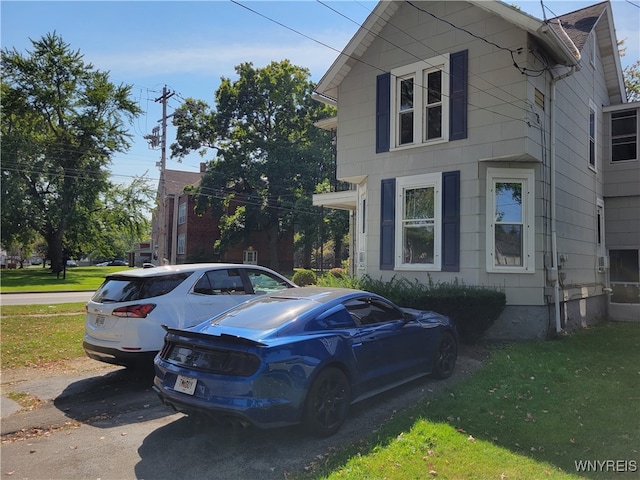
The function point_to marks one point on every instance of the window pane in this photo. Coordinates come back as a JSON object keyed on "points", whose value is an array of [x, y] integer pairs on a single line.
{"points": [[624, 148], [508, 244], [418, 203], [406, 128], [624, 123], [508, 202], [434, 86], [417, 242], [624, 136], [624, 266], [406, 94], [418, 225], [434, 122]]}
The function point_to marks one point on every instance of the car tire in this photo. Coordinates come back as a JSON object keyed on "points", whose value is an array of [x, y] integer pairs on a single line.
{"points": [[446, 354], [327, 403]]}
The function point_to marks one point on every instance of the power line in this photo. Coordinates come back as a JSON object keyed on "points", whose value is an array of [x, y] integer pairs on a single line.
{"points": [[375, 67]]}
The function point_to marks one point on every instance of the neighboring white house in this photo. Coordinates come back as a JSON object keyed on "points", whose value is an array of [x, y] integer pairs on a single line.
{"points": [[488, 146]]}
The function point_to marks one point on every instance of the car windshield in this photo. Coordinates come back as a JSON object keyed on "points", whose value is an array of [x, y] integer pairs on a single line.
{"points": [[126, 289], [264, 313]]}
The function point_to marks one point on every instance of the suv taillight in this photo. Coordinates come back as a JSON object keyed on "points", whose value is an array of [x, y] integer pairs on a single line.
{"points": [[134, 311]]}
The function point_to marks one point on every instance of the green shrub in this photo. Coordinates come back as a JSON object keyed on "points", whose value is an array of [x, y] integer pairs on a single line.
{"points": [[334, 278], [304, 277], [473, 309]]}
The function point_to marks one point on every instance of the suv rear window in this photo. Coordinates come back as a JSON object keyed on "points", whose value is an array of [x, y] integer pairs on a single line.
{"points": [[126, 289]]}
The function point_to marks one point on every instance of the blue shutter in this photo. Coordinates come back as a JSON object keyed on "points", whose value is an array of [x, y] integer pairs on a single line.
{"points": [[451, 221], [383, 112], [387, 223], [458, 95]]}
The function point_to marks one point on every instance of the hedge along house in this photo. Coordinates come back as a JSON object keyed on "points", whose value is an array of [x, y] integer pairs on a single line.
{"points": [[488, 146]]}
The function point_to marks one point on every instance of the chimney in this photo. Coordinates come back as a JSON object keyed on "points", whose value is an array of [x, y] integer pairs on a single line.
{"points": [[203, 167]]}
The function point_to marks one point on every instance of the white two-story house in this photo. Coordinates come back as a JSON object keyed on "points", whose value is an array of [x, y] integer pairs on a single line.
{"points": [[493, 148]]}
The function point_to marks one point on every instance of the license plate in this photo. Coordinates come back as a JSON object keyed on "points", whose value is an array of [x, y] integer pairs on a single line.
{"points": [[100, 320], [185, 385]]}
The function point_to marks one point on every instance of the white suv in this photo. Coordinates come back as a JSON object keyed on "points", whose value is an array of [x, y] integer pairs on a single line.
{"points": [[126, 314]]}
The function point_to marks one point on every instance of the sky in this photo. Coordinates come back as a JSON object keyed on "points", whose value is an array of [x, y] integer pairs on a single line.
{"points": [[189, 46]]}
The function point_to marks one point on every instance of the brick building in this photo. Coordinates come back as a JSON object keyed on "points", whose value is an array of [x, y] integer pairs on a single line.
{"points": [[189, 238]]}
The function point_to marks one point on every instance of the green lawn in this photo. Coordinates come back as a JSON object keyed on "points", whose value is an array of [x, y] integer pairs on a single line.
{"points": [[533, 411], [538, 409], [38, 279], [39, 335]]}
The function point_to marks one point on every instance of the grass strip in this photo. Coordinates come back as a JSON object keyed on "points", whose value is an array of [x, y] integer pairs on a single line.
{"points": [[39, 335], [38, 279], [568, 408]]}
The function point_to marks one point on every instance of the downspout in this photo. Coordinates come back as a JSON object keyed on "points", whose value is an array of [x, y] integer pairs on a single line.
{"points": [[552, 186], [575, 65]]}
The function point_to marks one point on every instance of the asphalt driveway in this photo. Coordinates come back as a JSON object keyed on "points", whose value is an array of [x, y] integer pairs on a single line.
{"points": [[110, 425]]}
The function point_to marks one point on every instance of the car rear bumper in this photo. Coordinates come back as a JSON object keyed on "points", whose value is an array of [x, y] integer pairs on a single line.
{"points": [[118, 357], [244, 409]]}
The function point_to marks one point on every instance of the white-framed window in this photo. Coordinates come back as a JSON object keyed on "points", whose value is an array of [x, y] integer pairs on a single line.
{"points": [[250, 257], [182, 213], [419, 102], [624, 135], [510, 220], [418, 224], [593, 135], [361, 221], [600, 244], [182, 244]]}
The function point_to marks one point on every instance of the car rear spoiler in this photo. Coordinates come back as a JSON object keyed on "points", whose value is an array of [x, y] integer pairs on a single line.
{"points": [[224, 336]]}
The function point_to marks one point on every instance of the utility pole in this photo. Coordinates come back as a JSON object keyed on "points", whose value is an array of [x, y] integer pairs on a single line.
{"points": [[161, 246]]}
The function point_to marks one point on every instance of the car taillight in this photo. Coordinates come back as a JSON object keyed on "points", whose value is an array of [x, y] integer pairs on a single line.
{"points": [[134, 311]]}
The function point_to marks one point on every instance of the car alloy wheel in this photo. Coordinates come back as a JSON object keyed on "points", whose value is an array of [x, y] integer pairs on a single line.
{"points": [[327, 403]]}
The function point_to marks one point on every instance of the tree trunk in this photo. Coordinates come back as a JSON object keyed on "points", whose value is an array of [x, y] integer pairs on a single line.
{"points": [[54, 241], [271, 232]]}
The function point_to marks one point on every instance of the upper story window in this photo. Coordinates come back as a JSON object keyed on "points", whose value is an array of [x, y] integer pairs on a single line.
{"points": [[624, 135], [420, 102], [592, 135], [510, 218], [182, 213]]}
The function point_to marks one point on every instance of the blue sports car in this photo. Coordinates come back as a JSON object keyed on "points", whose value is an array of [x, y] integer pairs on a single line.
{"points": [[300, 356]]}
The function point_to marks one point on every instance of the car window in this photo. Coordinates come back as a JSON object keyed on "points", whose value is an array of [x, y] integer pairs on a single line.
{"points": [[340, 318], [220, 282], [264, 282], [368, 311], [126, 289]]}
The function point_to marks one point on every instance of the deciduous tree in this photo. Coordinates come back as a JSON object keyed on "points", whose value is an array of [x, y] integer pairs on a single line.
{"points": [[62, 120], [268, 152]]}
